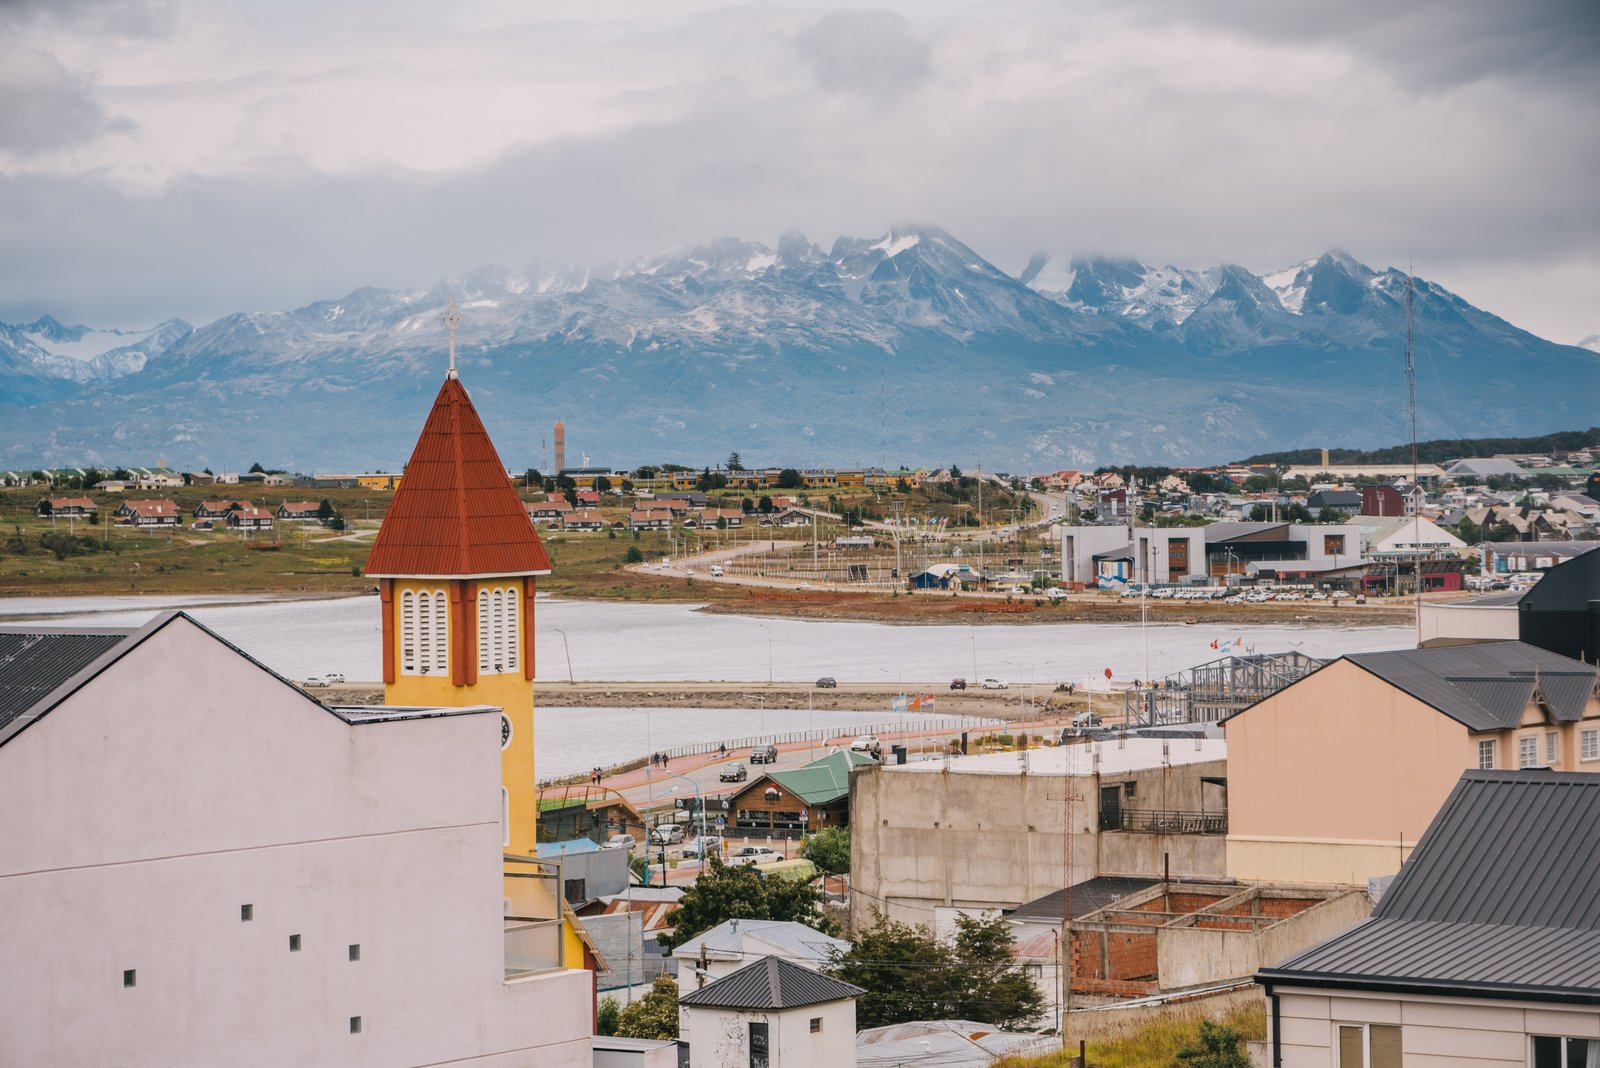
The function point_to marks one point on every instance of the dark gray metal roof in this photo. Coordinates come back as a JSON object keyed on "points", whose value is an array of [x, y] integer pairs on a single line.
{"points": [[33, 663], [1091, 895], [1227, 531], [1500, 899], [771, 983], [1477, 685]]}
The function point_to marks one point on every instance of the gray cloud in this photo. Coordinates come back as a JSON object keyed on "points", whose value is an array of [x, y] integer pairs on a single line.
{"points": [[118, 18], [873, 53], [44, 106]]}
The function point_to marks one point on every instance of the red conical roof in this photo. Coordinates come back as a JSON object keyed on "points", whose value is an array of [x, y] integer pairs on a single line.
{"points": [[456, 514]]}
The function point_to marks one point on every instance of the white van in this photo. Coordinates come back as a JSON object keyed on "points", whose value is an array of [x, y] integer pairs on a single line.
{"points": [[716, 570]]}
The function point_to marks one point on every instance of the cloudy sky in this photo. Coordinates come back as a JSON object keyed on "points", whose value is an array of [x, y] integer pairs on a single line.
{"points": [[169, 157]]}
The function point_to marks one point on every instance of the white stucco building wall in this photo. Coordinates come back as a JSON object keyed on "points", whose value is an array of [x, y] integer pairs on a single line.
{"points": [[719, 1038], [185, 783]]}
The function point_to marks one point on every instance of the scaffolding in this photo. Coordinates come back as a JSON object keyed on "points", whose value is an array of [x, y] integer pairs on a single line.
{"points": [[1216, 689]]}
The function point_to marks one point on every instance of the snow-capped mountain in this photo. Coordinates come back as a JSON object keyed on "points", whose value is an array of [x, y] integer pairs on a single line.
{"points": [[908, 346], [1592, 343]]}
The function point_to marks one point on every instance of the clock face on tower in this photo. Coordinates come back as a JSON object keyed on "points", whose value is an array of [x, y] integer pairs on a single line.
{"points": [[505, 730]]}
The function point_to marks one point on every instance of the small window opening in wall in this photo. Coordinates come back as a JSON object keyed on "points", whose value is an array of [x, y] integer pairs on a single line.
{"points": [[130, 977], [355, 1025], [816, 1024], [247, 913], [294, 943], [355, 951]]}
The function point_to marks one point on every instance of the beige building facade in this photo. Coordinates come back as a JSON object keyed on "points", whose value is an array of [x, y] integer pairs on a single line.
{"points": [[1333, 779]]}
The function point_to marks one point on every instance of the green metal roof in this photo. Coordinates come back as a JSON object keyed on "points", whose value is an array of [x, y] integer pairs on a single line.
{"points": [[823, 780]]}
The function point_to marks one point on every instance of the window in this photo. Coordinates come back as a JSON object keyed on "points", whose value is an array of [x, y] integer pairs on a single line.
{"points": [[498, 646], [355, 952], [247, 913], [1552, 748], [816, 1025], [1550, 1051], [1486, 749], [1368, 1046], [424, 632], [1528, 751], [355, 1025], [130, 977], [1333, 545], [1589, 744], [759, 1056], [294, 943]]}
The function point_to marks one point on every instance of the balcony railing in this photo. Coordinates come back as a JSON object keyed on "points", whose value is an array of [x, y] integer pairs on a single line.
{"points": [[532, 946], [1163, 821]]}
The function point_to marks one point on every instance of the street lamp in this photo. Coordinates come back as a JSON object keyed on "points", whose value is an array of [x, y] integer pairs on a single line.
{"points": [[568, 650], [700, 851], [768, 629]]}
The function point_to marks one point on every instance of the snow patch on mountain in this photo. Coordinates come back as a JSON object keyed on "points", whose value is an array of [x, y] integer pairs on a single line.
{"points": [[1592, 343]]}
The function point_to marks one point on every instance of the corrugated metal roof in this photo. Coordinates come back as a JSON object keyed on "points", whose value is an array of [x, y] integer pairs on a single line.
{"points": [[1499, 898], [1091, 895], [770, 983], [1478, 685], [33, 664], [455, 511], [796, 939], [823, 780]]}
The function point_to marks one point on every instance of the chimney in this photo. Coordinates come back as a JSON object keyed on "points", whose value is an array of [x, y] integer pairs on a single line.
{"points": [[1324, 457], [561, 446]]}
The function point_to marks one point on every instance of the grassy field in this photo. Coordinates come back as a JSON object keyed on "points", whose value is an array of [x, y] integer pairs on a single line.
{"points": [[1152, 1045]]}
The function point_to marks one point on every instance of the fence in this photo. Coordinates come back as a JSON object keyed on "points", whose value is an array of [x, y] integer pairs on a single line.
{"points": [[1163, 821]]}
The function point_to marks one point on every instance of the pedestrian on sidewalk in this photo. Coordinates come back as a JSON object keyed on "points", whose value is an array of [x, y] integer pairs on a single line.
{"points": [[722, 750]]}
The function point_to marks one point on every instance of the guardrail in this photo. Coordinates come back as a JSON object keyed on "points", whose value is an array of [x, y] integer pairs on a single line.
{"points": [[899, 726], [1163, 821]]}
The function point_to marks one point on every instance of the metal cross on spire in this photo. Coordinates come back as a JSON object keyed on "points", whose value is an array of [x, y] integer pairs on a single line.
{"points": [[451, 318]]}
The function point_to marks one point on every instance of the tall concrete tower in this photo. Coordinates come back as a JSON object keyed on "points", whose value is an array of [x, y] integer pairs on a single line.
{"points": [[561, 446]]}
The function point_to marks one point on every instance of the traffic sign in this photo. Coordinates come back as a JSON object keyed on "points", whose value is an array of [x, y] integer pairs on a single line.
{"points": [[721, 823], [805, 813]]}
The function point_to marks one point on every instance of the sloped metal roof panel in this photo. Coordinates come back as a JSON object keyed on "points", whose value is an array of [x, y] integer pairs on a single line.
{"points": [[771, 983]]}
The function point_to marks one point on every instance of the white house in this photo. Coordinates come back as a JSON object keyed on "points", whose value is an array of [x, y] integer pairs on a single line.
{"points": [[732, 944], [770, 1013], [1397, 537], [203, 865]]}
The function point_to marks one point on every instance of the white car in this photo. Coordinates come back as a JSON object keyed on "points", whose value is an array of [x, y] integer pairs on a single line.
{"points": [[864, 744], [707, 845], [620, 841], [753, 855], [995, 684]]}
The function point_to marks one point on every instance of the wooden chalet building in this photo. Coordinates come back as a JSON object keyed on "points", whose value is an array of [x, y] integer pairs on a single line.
{"points": [[217, 509], [585, 520], [299, 511], [650, 519], [250, 517], [153, 513], [553, 510], [788, 804], [79, 507]]}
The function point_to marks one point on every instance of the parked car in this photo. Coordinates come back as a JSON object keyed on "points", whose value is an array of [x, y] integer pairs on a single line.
{"points": [[736, 772], [667, 834], [317, 680], [764, 754], [716, 570], [753, 855], [707, 845], [865, 743], [994, 684], [1056, 593], [1086, 719], [827, 682], [620, 841], [958, 684]]}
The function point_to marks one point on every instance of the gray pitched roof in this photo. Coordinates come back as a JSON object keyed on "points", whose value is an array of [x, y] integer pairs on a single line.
{"points": [[1497, 901], [1478, 685], [34, 663], [795, 939], [770, 983]]}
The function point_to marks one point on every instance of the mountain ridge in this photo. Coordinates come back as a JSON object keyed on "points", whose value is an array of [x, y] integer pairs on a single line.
{"points": [[796, 351]]}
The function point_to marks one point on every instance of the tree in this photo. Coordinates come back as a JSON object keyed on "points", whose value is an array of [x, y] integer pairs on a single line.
{"points": [[571, 495], [1332, 515], [910, 975], [45, 507], [607, 1016], [257, 469], [746, 505], [602, 484], [789, 478], [633, 556], [955, 472], [1468, 531], [653, 1016], [534, 477], [1218, 1047], [734, 463], [738, 891], [901, 485], [325, 510], [829, 849]]}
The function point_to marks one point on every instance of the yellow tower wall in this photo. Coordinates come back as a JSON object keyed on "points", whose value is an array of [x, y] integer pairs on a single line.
{"points": [[511, 692]]}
